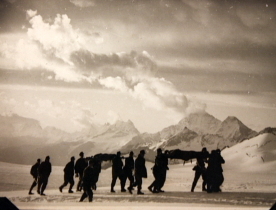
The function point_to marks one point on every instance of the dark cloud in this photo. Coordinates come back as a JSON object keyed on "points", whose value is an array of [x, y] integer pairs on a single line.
{"points": [[91, 61], [218, 81], [39, 77], [11, 17]]}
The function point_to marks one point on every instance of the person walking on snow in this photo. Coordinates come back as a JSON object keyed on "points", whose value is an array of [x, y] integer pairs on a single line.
{"points": [[69, 175], [34, 173], [128, 172], [80, 165], [117, 172], [140, 171], [44, 171], [200, 170], [88, 181]]}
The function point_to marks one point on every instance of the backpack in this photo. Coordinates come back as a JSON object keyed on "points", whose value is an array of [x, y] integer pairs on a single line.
{"points": [[33, 171]]}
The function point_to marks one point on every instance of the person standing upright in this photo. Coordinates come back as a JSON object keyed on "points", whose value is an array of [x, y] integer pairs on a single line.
{"points": [[80, 165], [34, 173], [164, 168], [69, 175], [97, 170], [128, 171], [200, 170], [215, 172], [44, 171], [140, 171], [156, 171], [159, 172], [88, 181], [117, 172]]}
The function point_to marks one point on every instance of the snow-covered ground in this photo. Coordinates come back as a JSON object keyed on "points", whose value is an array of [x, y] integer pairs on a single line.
{"points": [[250, 183]]}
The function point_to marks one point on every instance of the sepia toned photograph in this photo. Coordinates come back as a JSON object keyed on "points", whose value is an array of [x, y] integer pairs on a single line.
{"points": [[138, 104]]}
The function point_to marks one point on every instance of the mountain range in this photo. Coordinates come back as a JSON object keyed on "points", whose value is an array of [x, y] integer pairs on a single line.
{"points": [[23, 140]]}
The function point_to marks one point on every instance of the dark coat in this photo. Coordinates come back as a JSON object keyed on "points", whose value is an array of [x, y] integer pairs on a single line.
{"points": [[80, 165], [89, 176], [129, 164], [140, 167], [69, 169], [34, 170], [117, 166], [45, 169], [161, 163]]}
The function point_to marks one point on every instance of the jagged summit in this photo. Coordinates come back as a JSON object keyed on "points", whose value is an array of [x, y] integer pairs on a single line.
{"points": [[234, 130], [123, 126], [201, 122], [185, 136]]}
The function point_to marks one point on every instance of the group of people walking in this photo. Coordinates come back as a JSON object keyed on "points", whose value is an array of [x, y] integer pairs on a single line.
{"points": [[89, 169], [212, 175]]}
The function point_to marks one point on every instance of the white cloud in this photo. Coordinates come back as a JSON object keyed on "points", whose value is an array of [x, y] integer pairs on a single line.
{"points": [[58, 39], [27, 55], [31, 13], [83, 3], [116, 83], [160, 94], [60, 48]]}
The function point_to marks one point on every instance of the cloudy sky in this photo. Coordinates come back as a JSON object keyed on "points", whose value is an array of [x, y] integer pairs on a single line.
{"points": [[70, 63]]}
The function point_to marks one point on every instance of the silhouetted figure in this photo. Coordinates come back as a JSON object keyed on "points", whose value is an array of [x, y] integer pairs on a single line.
{"points": [[44, 171], [97, 170], [156, 170], [88, 181], [34, 173], [140, 171], [164, 168], [215, 172], [69, 175], [117, 172], [80, 165], [200, 170], [128, 172]]}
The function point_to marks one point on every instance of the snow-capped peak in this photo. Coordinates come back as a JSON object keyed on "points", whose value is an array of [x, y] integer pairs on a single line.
{"points": [[124, 126], [232, 128], [201, 122]]}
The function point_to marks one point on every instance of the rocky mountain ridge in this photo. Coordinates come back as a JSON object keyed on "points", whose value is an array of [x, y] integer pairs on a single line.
{"points": [[196, 131], [191, 133]]}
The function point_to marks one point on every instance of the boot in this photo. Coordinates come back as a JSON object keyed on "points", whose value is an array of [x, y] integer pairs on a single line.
{"points": [[83, 197], [70, 189], [140, 193], [33, 185], [129, 190]]}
